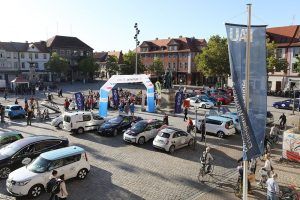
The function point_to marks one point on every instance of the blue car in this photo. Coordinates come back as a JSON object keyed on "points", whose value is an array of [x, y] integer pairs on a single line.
{"points": [[287, 104], [13, 111]]}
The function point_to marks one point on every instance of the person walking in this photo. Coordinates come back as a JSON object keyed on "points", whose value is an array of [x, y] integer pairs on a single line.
{"points": [[166, 119], [202, 129], [132, 108], [5, 95], [268, 164], [185, 113], [282, 119], [126, 108], [29, 117], [63, 193], [52, 181], [253, 165], [2, 114], [16, 102], [189, 125], [272, 188]]}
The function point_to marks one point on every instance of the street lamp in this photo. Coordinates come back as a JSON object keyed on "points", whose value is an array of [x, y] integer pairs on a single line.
{"points": [[137, 42]]}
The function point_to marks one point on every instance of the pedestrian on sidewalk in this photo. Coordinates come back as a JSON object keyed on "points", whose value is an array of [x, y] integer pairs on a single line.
{"points": [[253, 165], [126, 108], [5, 95], [202, 129], [166, 119], [282, 119], [272, 188], [268, 164], [66, 104], [185, 113], [52, 181], [63, 193], [2, 114], [132, 108], [29, 117], [16, 101], [189, 125]]}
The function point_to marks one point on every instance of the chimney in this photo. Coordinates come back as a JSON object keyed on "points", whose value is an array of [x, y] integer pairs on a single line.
{"points": [[156, 38], [180, 36], [169, 38]]}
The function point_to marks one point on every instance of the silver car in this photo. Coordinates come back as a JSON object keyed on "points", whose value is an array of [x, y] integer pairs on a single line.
{"points": [[58, 122], [170, 138]]}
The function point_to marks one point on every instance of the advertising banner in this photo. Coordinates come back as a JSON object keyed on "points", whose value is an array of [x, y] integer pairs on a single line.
{"points": [[79, 98], [115, 96], [178, 102], [253, 121]]}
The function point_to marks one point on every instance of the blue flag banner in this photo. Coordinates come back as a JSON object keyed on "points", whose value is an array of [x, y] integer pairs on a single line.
{"points": [[253, 121], [79, 98], [178, 102], [115, 96]]}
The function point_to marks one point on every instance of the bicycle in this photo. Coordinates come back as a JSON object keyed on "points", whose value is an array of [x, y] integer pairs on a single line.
{"points": [[203, 171]]}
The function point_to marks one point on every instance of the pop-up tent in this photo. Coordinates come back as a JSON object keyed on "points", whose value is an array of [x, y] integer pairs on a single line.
{"points": [[19, 81]]}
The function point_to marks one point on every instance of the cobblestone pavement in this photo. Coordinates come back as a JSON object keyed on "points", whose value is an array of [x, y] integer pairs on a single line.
{"points": [[125, 171]]}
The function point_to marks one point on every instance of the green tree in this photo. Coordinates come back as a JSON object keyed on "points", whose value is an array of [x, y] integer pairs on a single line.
{"points": [[112, 66], [129, 64], [213, 60], [87, 66], [57, 64], [272, 61], [297, 64], [157, 67]]}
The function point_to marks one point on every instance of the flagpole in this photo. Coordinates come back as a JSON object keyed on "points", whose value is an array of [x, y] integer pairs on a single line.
{"points": [[245, 162]]}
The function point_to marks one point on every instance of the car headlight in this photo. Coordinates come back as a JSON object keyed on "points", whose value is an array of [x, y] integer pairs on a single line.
{"points": [[22, 183]]}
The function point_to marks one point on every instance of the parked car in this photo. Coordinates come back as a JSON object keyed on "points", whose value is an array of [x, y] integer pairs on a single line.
{"points": [[82, 121], [198, 103], [58, 122], [223, 99], [32, 179], [117, 124], [217, 125], [207, 98], [287, 104], [235, 120], [12, 155], [169, 139], [13, 111], [143, 131], [9, 137]]}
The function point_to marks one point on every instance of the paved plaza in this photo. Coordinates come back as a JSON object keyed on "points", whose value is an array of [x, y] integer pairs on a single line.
{"points": [[125, 171]]}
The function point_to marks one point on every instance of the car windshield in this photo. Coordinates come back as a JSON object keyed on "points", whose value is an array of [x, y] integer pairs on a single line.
{"points": [[139, 126], [116, 120], [16, 108], [163, 134], [39, 165], [11, 149]]}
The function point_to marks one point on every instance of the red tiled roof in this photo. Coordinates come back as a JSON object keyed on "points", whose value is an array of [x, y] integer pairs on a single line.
{"points": [[285, 35]]}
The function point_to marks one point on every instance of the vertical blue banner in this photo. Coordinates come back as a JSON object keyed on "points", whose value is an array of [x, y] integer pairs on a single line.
{"points": [[253, 121], [103, 103], [178, 102], [79, 98], [150, 100], [115, 96]]}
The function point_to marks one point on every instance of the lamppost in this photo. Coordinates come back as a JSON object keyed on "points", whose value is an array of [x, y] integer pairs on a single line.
{"points": [[137, 42]]}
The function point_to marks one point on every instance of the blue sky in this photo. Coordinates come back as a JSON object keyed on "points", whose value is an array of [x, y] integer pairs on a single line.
{"points": [[108, 24]]}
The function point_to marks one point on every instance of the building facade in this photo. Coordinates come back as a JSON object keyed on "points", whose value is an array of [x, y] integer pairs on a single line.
{"points": [[177, 55], [287, 39], [101, 60], [72, 49], [26, 59]]}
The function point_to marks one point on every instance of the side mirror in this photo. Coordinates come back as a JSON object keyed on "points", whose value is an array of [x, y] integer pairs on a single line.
{"points": [[26, 161]]}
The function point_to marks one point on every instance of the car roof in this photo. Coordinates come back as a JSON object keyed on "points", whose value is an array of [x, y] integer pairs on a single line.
{"points": [[14, 105], [28, 140], [9, 133], [78, 113], [170, 129], [62, 153], [219, 118], [148, 121]]}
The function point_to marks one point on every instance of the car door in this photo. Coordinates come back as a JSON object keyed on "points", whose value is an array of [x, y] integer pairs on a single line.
{"points": [[97, 121], [71, 166], [88, 122], [57, 165], [183, 139], [26, 152], [175, 140], [209, 125]]}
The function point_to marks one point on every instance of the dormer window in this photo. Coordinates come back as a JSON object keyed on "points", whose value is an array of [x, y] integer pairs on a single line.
{"points": [[144, 49]]}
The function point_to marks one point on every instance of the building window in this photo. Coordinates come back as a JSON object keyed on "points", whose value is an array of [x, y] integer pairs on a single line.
{"points": [[68, 52], [45, 56], [30, 55], [180, 65], [174, 65], [16, 65], [185, 65], [1, 55], [22, 55], [81, 53], [8, 54], [36, 65], [23, 65], [169, 65], [174, 55], [36, 55], [169, 55], [296, 51], [162, 55], [62, 52], [279, 53], [294, 69], [15, 55], [54, 51]]}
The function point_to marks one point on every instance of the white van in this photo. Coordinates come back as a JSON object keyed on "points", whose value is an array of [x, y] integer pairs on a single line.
{"points": [[220, 126], [82, 121], [32, 179]]}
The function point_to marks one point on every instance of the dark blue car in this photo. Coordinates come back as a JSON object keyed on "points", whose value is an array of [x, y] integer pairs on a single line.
{"points": [[287, 104]]}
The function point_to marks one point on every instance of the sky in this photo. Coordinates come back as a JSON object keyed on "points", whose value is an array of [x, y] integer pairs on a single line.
{"points": [[108, 25]]}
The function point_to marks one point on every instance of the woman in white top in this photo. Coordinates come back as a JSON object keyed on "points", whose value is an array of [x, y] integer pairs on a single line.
{"points": [[62, 195], [268, 165]]}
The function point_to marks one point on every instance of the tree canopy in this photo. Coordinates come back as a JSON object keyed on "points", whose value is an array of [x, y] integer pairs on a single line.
{"points": [[157, 67], [87, 65], [129, 64], [272, 61], [213, 60], [112, 66], [57, 64], [297, 64]]}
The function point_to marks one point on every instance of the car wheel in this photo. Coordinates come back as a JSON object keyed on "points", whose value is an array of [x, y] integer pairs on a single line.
{"points": [[203, 106], [35, 191], [4, 172], [60, 125], [172, 149], [115, 133], [10, 116], [220, 134], [276, 106], [82, 174], [80, 130], [141, 140], [191, 142]]}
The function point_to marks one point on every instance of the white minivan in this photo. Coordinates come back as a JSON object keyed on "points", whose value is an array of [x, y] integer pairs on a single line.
{"points": [[32, 179], [82, 121], [220, 126]]}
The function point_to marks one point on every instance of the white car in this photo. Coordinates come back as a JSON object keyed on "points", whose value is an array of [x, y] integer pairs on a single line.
{"points": [[197, 103], [170, 138], [218, 125], [142, 131], [58, 122], [32, 179]]}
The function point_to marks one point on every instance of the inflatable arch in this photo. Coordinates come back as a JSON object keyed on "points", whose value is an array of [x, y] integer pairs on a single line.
{"points": [[104, 90]]}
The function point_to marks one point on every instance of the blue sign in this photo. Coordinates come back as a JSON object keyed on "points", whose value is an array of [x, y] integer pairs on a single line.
{"points": [[253, 121], [178, 102], [79, 98]]}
